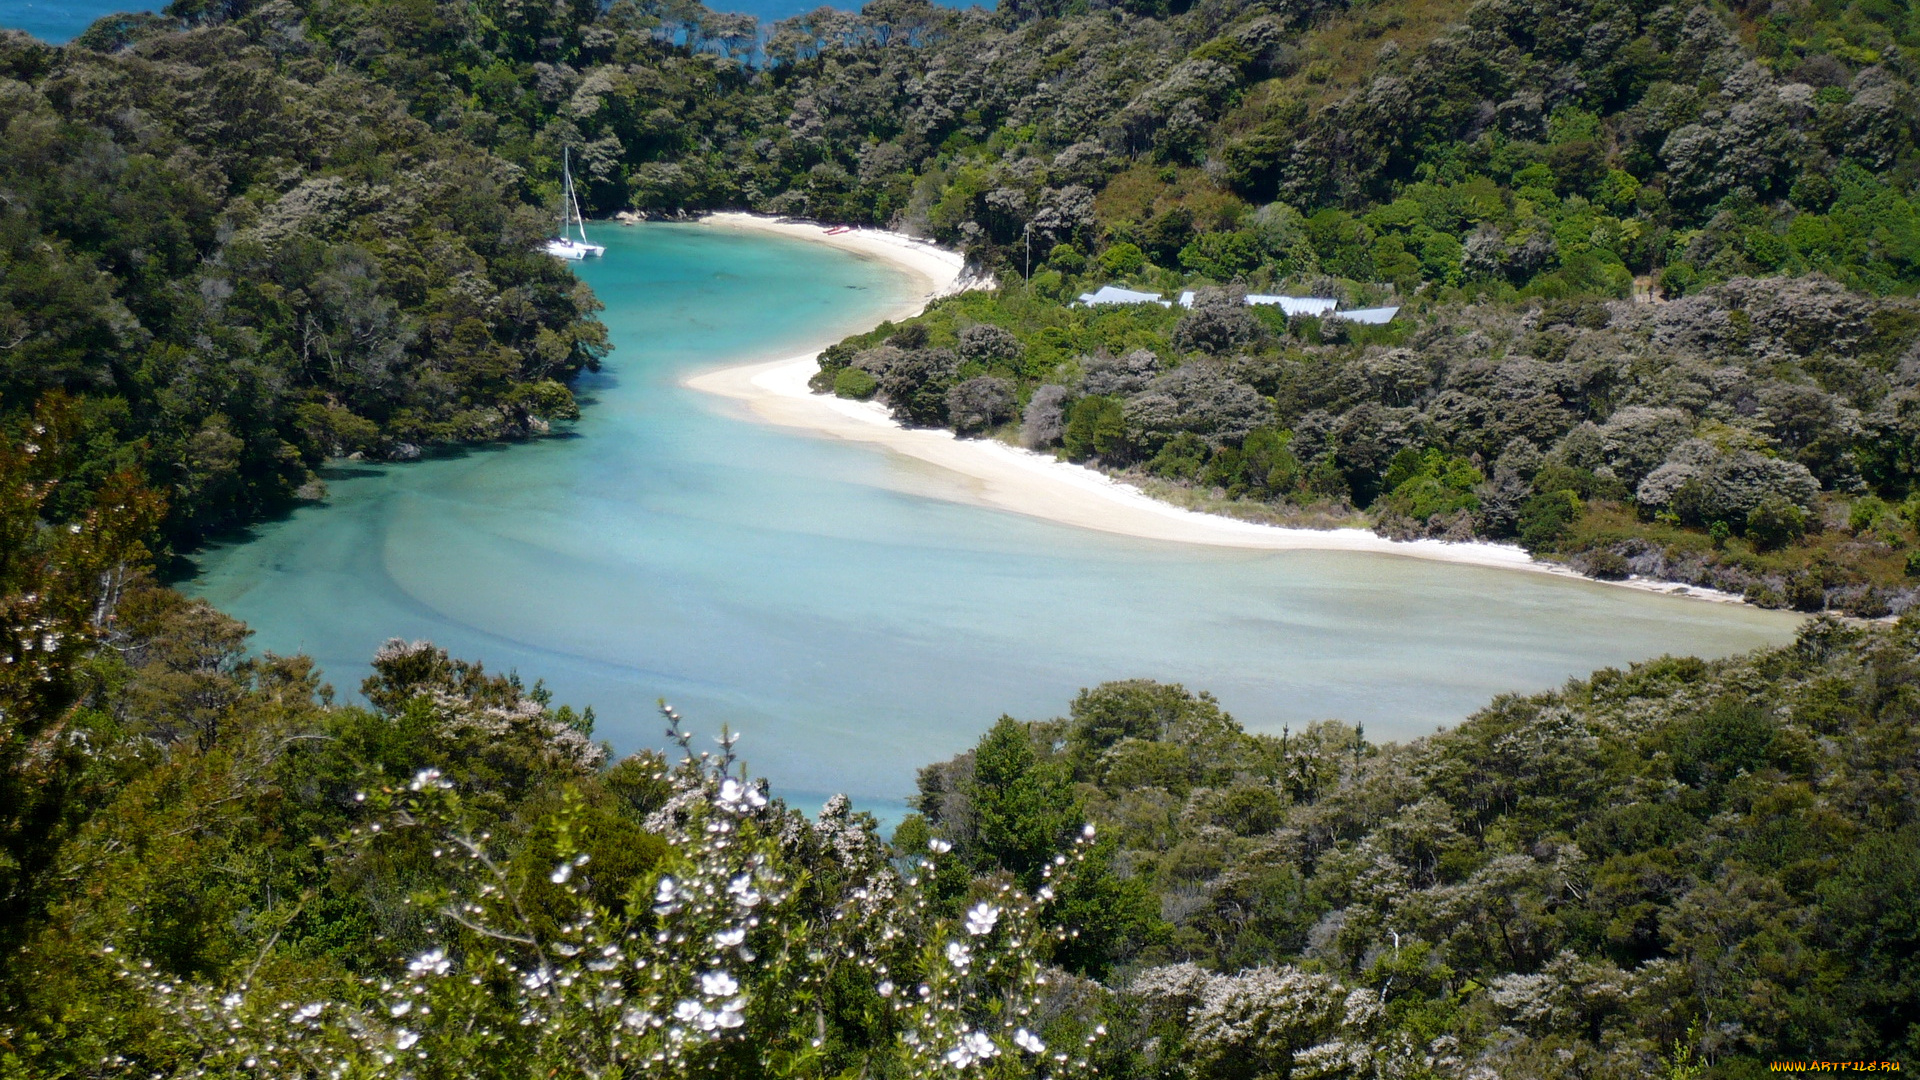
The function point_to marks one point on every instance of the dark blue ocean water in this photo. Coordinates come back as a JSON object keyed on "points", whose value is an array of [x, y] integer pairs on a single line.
{"points": [[56, 20], [63, 20]]}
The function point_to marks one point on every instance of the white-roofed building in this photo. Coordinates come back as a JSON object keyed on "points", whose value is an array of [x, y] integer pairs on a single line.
{"points": [[1292, 305], [1373, 316], [1309, 306], [1114, 294]]}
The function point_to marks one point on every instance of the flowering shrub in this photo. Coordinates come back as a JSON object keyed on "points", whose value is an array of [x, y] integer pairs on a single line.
{"points": [[761, 943], [1281, 1021]]}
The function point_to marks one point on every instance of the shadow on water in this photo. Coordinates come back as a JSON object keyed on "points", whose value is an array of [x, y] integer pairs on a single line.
{"points": [[175, 568]]}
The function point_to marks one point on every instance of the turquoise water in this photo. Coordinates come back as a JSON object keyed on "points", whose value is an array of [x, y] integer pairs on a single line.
{"points": [[816, 595]]}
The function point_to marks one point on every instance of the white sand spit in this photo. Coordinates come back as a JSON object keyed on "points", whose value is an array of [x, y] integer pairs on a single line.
{"points": [[994, 474]]}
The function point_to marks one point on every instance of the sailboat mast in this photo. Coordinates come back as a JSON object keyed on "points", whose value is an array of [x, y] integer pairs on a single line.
{"points": [[579, 219]]}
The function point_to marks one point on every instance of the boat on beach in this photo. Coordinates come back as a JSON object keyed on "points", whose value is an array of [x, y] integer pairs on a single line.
{"points": [[563, 246]]}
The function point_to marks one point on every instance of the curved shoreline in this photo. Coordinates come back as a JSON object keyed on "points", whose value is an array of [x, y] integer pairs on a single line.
{"points": [[1003, 477]]}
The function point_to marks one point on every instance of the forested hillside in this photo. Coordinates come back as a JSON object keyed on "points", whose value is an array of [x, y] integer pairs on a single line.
{"points": [[237, 260], [1720, 856], [1560, 146]]}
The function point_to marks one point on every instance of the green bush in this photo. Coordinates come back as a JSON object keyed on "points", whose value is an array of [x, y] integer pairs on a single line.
{"points": [[1545, 519], [1422, 485], [1122, 259], [1607, 566], [854, 383], [1865, 513], [1182, 457], [1806, 592], [1095, 425], [1775, 523]]}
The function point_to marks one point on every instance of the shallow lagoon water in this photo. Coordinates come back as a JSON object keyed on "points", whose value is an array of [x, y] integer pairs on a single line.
{"points": [[823, 599]]}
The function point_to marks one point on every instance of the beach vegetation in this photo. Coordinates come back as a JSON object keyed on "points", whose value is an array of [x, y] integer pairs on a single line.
{"points": [[1761, 415], [854, 383]]}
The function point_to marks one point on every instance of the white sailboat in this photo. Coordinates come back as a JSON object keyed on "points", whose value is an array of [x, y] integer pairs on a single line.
{"points": [[564, 246]]}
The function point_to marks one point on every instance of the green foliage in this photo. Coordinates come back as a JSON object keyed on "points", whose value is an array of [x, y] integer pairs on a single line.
{"points": [[1545, 518], [853, 383], [1122, 259], [60, 585], [1866, 513], [1023, 806], [1095, 425], [1422, 485], [1775, 523], [263, 273], [1182, 458], [1699, 837], [1222, 256]]}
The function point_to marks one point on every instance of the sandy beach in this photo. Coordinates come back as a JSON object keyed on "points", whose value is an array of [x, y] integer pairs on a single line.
{"points": [[994, 474]]}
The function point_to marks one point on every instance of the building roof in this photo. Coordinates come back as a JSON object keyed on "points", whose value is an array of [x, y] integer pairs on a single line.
{"points": [[1114, 294], [1292, 305], [1373, 316], [1296, 305]]}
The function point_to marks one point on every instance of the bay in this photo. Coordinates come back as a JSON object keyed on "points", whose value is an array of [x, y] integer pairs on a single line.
{"points": [[828, 602]]}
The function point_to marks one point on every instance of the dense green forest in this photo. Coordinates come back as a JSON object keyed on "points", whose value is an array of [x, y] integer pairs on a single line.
{"points": [[211, 868], [238, 262]]}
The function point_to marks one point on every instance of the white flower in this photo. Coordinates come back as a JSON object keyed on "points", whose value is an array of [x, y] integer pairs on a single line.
{"points": [[231, 1002], [727, 939], [430, 963], [428, 778], [974, 1046], [687, 1011], [885, 989], [1028, 1041], [404, 1039], [738, 798], [308, 1012], [959, 955], [1087, 830], [742, 891], [1045, 894], [718, 984], [939, 846], [561, 873], [635, 1019], [980, 919], [401, 1009]]}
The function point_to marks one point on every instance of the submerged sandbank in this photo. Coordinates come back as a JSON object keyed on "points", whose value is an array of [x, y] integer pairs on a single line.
{"points": [[1003, 477]]}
